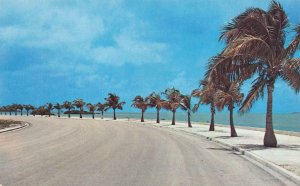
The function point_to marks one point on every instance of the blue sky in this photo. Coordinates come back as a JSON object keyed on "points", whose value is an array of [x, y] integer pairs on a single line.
{"points": [[51, 51]]}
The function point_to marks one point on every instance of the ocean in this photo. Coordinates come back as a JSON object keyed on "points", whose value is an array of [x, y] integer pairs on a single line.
{"points": [[286, 122]]}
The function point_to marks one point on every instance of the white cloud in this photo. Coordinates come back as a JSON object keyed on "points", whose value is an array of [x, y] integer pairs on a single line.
{"points": [[183, 83], [70, 30]]}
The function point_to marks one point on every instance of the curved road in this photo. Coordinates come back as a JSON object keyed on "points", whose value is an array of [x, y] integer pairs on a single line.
{"points": [[93, 152]]}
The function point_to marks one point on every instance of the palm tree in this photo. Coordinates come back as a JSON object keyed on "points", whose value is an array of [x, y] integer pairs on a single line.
{"points": [[155, 101], [256, 46], [15, 107], [101, 107], [68, 105], [49, 107], [92, 109], [228, 94], [173, 101], [79, 103], [58, 107], [140, 103], [112, 101], [28, 108], [206, 96], [185, 104], [21, 108], [10, 109]]}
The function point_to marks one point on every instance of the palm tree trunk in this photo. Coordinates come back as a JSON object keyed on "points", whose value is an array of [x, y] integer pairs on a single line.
{"points": [[69, 114], [27, 112], [189, 119], [93, 114], [49, 113], [115, 114], [232, 128], [16, 113], [21, 112], [101, 114], [270, 138], [58, 113], [142, 118], [157, 116], [212, 117], [173, 118]]}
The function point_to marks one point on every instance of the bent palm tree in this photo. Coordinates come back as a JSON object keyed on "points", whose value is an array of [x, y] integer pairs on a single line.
{"points": [[79, 103], [101, 107], [140, 103], [68, 105], [112, 101], [58, 107], [256, 45], [206, 96], [185, 104], [228, 94], [92, 109], [173, 101], [155, 101]]}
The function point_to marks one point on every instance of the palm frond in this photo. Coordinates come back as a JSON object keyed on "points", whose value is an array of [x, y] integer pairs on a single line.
{"points": [[256, 91]]}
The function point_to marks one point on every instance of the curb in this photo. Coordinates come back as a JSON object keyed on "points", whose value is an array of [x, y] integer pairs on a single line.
{"points": [[287, 174], [23, 125]]}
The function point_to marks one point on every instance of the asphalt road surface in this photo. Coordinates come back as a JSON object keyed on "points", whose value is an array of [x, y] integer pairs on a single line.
{"points": [[93, 152]]}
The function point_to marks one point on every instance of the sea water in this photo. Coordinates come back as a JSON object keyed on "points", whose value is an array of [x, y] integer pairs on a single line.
{"points": [[287, 122]]}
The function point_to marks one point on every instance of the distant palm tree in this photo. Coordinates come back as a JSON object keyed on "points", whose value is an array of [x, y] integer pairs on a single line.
{"points": [[173, 101], [79, 103], [112, 101], [21, 108], [206, 96], [140, 103], [185, 104], [92, 109], [101, 107], [10, 109], [155, 101], [228, 94], [14, 108], [58, 107], [28, 108], [49, 107], [256, 46], [68, 105]]}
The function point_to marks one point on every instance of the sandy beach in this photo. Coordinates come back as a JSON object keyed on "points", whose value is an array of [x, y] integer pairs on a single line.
{"points": [[54, 151]]}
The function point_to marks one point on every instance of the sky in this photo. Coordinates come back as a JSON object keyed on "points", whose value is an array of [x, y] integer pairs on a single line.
{"points": [[52, 51]]}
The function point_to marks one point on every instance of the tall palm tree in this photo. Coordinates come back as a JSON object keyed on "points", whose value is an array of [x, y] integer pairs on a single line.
{"points": [[28, 108], [185, 104], [92, 109], [206, 96], [173, 101], [140, 103], [49, 107], [228, 94], [68, 105], [112, 101], [155, 101], [58, 107], [101, 107], [79, 103], [256, 46]]}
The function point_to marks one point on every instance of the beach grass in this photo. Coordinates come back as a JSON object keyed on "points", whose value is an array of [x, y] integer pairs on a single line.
{"points": [[4, 123]]}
